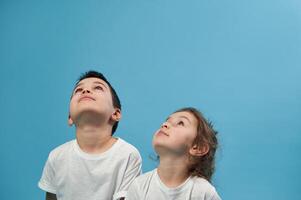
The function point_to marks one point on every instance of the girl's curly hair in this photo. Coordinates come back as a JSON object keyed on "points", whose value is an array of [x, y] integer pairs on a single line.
{"points": [[202, 166]]}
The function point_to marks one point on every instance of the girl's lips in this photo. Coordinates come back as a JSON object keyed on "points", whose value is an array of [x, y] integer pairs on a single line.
{"points": [[163, 133]]}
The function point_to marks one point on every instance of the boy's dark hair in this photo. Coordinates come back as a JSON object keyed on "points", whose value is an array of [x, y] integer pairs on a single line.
{"points": [[115, 98], [202, 166]]}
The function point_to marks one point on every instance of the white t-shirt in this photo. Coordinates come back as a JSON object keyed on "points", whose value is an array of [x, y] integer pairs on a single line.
{"points": [[72, 174], [149, 187]]}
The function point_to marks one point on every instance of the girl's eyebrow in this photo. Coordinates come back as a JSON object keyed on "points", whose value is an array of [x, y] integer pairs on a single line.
{"points": [[181, 116]]}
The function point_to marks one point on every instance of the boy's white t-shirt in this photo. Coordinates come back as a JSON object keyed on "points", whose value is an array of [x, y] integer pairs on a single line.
{"points": [[72, 174], [150, 187]]}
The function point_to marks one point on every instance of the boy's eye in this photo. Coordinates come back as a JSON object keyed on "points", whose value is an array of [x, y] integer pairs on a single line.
{"points": [[98, 87], [77, 90], [181, 123]]}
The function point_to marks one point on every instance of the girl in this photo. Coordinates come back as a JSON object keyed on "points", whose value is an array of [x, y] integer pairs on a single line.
{"points": [[186, 145]]}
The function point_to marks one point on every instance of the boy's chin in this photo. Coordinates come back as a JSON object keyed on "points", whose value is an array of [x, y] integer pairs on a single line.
{"points": [[90, 112], [89, 115]]}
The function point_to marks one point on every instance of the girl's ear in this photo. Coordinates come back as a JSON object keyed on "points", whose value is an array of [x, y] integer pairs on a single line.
{"points": [[199, 150], [70, 121], [116, 116]]}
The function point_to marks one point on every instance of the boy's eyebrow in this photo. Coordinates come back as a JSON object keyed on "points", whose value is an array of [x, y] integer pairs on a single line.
{"points": [[97, 82], [77, 85]]}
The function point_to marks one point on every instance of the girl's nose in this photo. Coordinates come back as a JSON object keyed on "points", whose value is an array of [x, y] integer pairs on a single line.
{"points": [[164, 125]]}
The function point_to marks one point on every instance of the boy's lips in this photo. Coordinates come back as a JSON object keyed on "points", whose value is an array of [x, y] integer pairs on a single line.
{"points": [[86, 98]]}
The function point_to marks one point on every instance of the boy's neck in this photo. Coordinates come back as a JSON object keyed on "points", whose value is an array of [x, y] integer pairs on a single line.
{"points": [[173, 170], [94, 140]]}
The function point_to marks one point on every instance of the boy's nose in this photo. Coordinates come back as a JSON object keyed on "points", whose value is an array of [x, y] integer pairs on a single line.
{"points": [[86, 91]]}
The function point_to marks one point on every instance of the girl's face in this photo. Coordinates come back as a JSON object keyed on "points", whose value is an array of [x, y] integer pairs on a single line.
{"points": [[176, 134]]}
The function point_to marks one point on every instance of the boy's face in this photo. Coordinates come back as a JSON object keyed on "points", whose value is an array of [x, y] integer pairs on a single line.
{"points": [[176, 134], [91, 95]]}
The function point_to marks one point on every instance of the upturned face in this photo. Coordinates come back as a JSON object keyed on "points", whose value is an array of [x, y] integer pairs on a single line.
{"points": [[91, 95], [176, 134]]}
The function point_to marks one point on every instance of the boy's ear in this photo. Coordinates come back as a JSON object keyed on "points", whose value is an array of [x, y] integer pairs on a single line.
{"points": [[116, 116], [70, 121], [199, 150]]}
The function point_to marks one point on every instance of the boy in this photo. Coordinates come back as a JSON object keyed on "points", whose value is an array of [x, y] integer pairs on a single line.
{"points": [[96, 165]]}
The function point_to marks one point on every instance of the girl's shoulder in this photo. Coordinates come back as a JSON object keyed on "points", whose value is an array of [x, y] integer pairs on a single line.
{"points": [[144, 180], [146, 177], [204, 186]]}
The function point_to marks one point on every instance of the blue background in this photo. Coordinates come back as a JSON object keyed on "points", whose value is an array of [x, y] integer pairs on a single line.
{"points": [[238, 61]]}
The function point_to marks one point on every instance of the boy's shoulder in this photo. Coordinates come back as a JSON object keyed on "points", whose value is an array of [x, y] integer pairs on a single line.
{"points": [[126, 148], [121, 149], [62, 149]]}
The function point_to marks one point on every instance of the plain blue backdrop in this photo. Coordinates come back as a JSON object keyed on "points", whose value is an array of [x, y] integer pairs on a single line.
{"points": [[238, 61]]}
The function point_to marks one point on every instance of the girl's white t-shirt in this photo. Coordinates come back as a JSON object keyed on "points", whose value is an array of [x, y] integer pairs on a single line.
{"points": [[72, 174], [150, 187]]}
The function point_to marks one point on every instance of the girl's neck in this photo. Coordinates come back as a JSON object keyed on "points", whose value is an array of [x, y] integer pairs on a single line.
{"points": [[173, 170], [94, 139]]}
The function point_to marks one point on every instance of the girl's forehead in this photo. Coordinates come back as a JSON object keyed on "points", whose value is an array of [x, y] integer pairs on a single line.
{"points": [[183, 114]]}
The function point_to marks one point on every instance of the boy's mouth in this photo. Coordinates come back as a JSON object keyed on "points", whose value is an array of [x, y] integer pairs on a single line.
{"points": [[85, 98]]}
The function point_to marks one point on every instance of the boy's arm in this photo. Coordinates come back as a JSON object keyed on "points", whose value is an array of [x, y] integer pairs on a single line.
{"points": [[50, 196], [46, 182], [134, 191], [132, 171]]}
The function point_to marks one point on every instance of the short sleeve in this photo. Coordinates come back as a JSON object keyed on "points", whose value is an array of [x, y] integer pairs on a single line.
{"points": [[133, 169], [46, 182], [215, 196], [133, 192]]}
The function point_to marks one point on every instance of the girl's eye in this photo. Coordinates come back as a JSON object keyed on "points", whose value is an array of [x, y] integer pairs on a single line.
{"points": [[78, 90], [181, 123], [98, 87]]}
